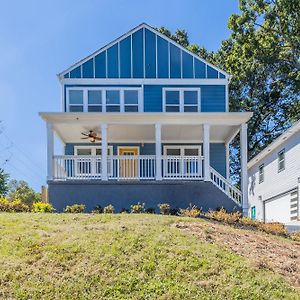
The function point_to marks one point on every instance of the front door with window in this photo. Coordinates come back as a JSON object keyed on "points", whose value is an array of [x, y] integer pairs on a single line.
{"points": [[128, 167]]}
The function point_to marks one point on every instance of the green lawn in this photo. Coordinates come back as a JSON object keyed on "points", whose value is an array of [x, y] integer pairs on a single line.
{"points": [[64, 256]]}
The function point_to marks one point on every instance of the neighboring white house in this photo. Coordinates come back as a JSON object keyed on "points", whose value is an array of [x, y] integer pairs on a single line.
{"points": [[274, 176]]}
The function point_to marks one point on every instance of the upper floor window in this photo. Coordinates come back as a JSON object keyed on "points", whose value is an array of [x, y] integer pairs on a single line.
{"points": [[104, 100], [281, 160], [261, 173], [181, 99]]}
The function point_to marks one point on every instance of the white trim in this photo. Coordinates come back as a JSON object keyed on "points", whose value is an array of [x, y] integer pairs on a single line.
{"points": [[226, 97], [119, 61], [143, 25], [93, 147], [103, 97], [128, 147], [140, 81], [144, 53], [182, 148], [244, 172], [206, 151], [181, 98], [50, 150]]}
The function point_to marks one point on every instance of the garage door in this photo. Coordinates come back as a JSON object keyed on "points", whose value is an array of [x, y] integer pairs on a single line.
{"points": [[282, 209]]}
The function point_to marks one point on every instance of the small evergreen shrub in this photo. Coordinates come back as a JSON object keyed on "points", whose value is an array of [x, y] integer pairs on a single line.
{"points": [[97, 209], [137, 208], [295, 236], [150, 210], [164, 208], [42, 207], [191, 211], [75, 208], [109, 209]]}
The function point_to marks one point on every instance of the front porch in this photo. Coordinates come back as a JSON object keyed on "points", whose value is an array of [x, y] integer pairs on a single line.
{"points": [[167, 133]]}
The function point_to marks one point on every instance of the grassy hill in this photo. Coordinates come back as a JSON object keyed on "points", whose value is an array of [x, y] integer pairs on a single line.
{"points": [[65, 256]]}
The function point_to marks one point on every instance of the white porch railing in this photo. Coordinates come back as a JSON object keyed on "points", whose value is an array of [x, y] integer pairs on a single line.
{"points": [[182, 167], [225, 186]]}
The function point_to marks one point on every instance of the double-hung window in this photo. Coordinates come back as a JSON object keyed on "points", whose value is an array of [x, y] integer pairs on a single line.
{"points": [[106, 99], [76, 101], [281, 161], [181, 99], [261, 173]]}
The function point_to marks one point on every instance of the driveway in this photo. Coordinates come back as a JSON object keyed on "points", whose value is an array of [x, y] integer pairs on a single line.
{"points": [[293, 226]]}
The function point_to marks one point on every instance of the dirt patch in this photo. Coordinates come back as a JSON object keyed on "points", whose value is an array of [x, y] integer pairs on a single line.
{"points": [[276, 254]]}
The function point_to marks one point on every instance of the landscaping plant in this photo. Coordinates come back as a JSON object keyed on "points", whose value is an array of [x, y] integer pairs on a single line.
{"points": [[75, 208], [138, 208], [109, 209], [191, 211], [164, 208], [42, 207]]}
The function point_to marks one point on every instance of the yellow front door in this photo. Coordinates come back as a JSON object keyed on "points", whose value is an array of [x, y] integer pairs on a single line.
{"points": [[128, 166]]}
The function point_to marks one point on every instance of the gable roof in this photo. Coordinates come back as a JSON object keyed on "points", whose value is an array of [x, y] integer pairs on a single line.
{"points": [[276, 143], [213, 69]]}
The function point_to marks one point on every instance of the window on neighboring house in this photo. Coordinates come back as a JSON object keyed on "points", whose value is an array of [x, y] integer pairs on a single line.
{"points": [[76, 100], [112, 101], [281, 161], [131, 100], [94, 101], [261, 173], [181, 100]]}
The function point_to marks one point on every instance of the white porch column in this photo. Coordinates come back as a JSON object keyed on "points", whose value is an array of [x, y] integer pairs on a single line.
{"points": [[158, 151], [104, 151], [206, 152], [244, 172], [50, 151]]}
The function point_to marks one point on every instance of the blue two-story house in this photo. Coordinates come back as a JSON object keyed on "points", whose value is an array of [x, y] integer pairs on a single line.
{"points": [[144, 119]]}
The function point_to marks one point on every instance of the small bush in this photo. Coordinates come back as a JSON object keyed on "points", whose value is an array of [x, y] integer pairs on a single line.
{"points": [[75, 208], [164, 208], [137, 208], [13, 206], [150, 210], [124, 211], [295, 236], [42, 207], [223, 216], [109, 209], [97, 209], [273, 228], [191, 211]]}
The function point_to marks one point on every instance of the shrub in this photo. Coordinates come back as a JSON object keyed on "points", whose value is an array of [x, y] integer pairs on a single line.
{"points": [[42, 207], [150, 210], [75, 208], [295, 236], [273, 228], [13, 206], [191, 211], [109, 209], [223, 216], [124, 211], [138, 208], [97, 209], [164, 208]]}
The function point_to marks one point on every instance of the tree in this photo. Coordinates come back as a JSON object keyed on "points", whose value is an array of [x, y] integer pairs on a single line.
{"points": [[3, 183], [21, 190]]}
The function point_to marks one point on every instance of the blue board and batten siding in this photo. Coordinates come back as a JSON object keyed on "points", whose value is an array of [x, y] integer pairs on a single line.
{"points": [[144, 54], [217, 152]]}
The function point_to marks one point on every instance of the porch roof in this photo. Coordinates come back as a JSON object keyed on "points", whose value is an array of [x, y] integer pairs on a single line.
{"points": [[139, 127]]}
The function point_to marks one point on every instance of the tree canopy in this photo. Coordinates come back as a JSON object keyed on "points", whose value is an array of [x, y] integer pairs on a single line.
{"points": [[3, 183], [263, 56]]}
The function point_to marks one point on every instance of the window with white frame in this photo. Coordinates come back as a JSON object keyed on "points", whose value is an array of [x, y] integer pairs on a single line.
{"points": [[76, 101], [281, 160], [261, 173], [104, 100], [181, 99]]}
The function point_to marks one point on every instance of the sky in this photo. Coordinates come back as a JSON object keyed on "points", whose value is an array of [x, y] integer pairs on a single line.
{"points": [[39, 39]]}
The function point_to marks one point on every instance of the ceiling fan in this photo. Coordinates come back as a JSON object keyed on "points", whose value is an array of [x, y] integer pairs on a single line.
{"points": [[91, 135]]}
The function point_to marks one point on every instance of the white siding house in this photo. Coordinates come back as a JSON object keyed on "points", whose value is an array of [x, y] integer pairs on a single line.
{"points": [[274, 175]]}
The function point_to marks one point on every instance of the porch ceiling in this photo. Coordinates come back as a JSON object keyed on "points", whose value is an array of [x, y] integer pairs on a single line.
{"points": [[127, 127]]}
